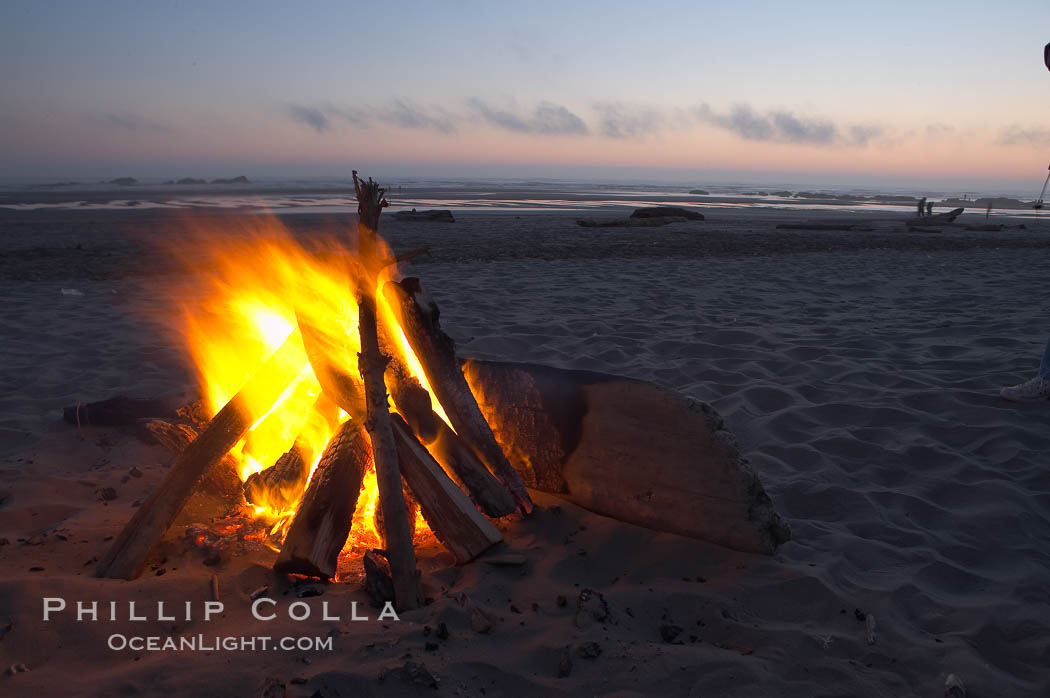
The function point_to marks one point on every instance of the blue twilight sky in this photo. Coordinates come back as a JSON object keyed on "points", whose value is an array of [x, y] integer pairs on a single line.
{"points": [[853, 89]]}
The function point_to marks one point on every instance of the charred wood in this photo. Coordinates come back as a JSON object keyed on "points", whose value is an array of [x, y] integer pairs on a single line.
{"points": [[324, 517]]}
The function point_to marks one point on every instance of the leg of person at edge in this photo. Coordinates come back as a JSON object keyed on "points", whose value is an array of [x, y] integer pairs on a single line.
{"points": [[1034, 389], [1037, 388]]}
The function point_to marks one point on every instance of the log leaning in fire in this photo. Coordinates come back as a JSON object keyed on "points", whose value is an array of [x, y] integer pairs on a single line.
{"points": [[437, 353], [221, 480], [485, 491], [127, 554], [449, 513], [326, 512], [372, 366], [413, 403], [336, 381]]}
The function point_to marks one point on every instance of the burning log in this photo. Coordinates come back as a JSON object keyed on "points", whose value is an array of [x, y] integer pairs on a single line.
{"points": [[451, 516], [127, 555], [273, 486], [437, 353], [372, 364], [341, 387], [326, 512], [414, 405], [280, 485], [630, 450], [411, 399], [221, 480], [411, 510], [485, 491]]}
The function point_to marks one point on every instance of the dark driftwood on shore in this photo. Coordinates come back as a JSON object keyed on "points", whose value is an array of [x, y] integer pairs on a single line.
{"points": [[118, 411], [326, 513], [432, 215], [936, 219], [667, 211], [630, 450], [437, 354], [127, 554], [372, 365], [460, 527]]}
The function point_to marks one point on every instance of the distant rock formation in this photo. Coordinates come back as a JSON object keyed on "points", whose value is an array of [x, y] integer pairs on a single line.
{"points": [[701, 192], [827, 196], [123, 181], [894, 199], [784, 193], [433, 215], [234, 180], [666, 212]]}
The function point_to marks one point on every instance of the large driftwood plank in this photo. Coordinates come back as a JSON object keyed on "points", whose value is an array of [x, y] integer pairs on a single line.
{"points": [[630, 450], [127, 554], [437, 354], [450, 514], [326, 513]]}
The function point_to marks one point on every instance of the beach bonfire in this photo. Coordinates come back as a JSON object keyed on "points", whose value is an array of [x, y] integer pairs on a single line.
{"points": [[331, 392]]}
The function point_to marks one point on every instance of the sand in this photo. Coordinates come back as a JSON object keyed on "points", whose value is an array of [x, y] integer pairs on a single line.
{"points": [[859, 371]]}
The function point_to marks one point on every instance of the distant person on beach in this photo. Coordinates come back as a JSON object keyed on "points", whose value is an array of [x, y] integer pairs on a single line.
{"points": [[1035, 389], [922, 205], [929, 208]]}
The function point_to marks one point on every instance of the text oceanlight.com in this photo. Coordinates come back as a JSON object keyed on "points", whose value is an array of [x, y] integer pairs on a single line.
{"points": [[202, 643]]}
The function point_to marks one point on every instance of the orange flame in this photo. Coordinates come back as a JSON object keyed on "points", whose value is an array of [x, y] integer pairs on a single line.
{"points": [[241, 307]]}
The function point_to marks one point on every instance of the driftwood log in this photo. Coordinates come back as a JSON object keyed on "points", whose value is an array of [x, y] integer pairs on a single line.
{"points": [[630, 450], [326, 512], [936, 219], [217, 490], [279, 485], [372, 364], [437, 354], [484, 490], [127, 554], [455, 522], [121, 410]]}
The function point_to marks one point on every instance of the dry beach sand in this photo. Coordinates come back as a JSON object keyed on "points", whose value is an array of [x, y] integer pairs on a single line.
{"points": [[859, 371]]}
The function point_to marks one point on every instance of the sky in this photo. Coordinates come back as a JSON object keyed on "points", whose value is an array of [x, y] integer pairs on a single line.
{"points": [[868, 91]]}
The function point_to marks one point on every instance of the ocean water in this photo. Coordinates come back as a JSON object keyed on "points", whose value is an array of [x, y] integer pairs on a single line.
{"points": [[334, 195]]}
